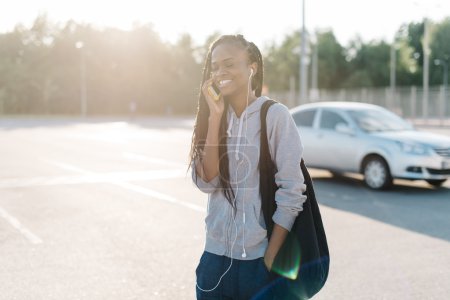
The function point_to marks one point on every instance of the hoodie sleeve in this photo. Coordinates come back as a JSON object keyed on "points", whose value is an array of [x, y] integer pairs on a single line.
{"points": [[286, 150], [206, 187]]}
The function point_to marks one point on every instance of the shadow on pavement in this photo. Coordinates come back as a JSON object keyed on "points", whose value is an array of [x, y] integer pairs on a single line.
{"points": [[408, 205]]}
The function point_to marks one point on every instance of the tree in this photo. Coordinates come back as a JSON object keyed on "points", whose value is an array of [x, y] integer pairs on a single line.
{"points": [[370, 61], [440, 49], [185, 76], [413, 37], [331, 61], [282, 62]]}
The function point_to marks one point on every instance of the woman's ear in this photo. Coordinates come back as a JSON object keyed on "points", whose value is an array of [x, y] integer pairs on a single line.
{"points": [[254, 67]]}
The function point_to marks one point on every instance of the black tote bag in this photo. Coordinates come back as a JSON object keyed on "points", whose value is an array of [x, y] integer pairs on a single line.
{"points": [[303, 260]]}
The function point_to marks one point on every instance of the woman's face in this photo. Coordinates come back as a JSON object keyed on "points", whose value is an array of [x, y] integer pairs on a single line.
{"points": [[230, 69]]}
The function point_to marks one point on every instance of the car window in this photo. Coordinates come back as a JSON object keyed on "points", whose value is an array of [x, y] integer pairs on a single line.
{"points": [[330, 119], [372, 120], [304, 118]]}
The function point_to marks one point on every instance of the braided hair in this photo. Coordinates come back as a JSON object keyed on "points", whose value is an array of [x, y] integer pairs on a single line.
{"points": [[201, 121]]}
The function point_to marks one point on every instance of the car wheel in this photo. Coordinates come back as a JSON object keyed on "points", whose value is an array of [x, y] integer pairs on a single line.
{"points": [[376, 173], [436, 182]]}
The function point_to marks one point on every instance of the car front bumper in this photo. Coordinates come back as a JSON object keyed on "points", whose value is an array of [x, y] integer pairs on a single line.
{"points": [[431, 167]]}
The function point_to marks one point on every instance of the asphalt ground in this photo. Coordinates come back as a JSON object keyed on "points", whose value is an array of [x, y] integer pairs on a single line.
{"points": [[104, 209]]}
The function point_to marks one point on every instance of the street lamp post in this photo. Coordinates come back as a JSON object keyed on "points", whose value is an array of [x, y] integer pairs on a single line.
{"points": [[314, 93], [393, 63], [426, 56], [393, 67], [83, 90], [444, 65], [303, 74]]}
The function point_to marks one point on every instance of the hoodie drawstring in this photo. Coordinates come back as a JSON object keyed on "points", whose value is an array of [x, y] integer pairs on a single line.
{"points": [[236, 155], [230, 125]]}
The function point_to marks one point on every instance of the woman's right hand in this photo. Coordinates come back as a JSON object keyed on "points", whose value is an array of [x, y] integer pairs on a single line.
{"points": [[216, 108]]}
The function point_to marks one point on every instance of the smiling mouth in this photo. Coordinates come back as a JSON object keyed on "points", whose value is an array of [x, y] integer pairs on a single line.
{"points": [[224, 83]]}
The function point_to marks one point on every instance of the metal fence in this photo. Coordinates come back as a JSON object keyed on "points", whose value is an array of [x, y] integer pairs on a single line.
{"points": [[408, 102]]}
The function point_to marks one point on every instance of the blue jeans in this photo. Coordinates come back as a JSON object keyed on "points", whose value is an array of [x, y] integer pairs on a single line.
{"points": [[246, 279]]}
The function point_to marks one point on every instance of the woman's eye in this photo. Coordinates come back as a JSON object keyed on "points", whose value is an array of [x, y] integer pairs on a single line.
{"points": [[226, 66]]}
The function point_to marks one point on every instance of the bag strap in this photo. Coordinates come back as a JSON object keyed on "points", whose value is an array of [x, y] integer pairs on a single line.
{"points": [[267, 170]]}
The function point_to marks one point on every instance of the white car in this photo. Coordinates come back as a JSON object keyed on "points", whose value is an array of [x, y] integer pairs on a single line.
{"points": [[368, 139]]}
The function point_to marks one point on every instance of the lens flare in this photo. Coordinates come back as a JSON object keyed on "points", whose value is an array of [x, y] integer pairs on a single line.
{"points": [[287, 261]]}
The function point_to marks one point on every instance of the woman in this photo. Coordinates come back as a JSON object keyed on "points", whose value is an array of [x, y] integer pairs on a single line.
{"points": [[238, 257]]}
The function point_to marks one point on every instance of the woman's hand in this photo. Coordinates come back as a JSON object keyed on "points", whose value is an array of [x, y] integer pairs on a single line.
{"points": [[268, 261], [216, 108], [275, 242]]}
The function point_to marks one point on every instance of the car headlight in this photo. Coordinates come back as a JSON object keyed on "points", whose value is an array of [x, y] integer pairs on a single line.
{"points": [[412, 148]]}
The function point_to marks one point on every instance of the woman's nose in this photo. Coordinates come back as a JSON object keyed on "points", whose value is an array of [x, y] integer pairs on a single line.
{"points": [[219, 72]]}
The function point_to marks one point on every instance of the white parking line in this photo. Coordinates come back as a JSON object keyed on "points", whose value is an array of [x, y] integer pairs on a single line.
{"points": [[132, 187], [158, 195], [68, 167], [34, 239], [141, 157], [91, 178]]}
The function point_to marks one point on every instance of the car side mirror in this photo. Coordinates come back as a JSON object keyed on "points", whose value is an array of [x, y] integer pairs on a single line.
{"points": [[344, 128]]}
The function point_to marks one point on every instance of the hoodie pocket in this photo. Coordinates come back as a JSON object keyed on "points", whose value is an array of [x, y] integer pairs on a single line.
{"points": [[256, 232], [216, 218]]}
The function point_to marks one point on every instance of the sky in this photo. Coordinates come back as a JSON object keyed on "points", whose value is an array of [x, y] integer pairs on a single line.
{"points": [[261, 21]]}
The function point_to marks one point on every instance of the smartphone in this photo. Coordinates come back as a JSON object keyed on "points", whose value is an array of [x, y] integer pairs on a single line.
{"points": [[214, 92]]}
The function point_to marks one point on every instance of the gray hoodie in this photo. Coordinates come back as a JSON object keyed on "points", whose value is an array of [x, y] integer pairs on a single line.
{"points": [[243, 143]]}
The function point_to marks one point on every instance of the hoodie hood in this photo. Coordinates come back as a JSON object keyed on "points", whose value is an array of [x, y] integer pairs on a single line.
{"points": [[252, 108]]}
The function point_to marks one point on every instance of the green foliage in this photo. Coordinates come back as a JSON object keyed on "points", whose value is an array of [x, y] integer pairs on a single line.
{"points": [[185, 76], [40, 70], [371, 61], [412, 39], [282, 63], [440, 49], [332, 66]]}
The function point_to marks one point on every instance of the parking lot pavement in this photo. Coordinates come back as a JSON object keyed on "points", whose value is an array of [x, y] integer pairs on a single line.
{"points": [[104, 209]]}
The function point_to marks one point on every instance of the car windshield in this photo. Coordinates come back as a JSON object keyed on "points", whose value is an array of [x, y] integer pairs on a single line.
{"points": [[374, 120]]}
